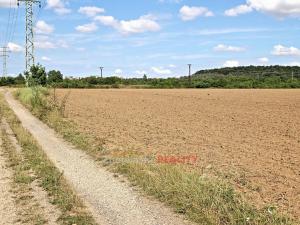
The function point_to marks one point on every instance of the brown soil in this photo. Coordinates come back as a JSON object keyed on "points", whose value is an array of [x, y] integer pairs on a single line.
{"points": [[252, 134]]}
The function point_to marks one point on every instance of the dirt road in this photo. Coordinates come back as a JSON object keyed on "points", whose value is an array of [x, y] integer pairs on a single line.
{"points": [[8, 211], [110, 201], [21, 203]]}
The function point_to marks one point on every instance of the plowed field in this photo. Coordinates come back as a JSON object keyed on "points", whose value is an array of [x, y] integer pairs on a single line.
{"points": [[253, 134]]}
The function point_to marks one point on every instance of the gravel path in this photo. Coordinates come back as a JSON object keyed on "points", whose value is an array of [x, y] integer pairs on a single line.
{"points": [[110, 201]]}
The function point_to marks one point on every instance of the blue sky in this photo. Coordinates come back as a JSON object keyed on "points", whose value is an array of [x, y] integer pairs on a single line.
{"points": [[156, 37]]}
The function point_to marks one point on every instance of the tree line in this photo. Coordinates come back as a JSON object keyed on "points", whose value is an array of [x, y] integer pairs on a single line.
{"points": [[37, 75], [237, 77]]}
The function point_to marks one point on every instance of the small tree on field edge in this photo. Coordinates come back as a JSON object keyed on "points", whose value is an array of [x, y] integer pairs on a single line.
{"points": [[36, 76]]}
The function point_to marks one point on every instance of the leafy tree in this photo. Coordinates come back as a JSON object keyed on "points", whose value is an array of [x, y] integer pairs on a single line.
{"points": [[7, 81], [54, 76], [20, 79], [36, 76]]}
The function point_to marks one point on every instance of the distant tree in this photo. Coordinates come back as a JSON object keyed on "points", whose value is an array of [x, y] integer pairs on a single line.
{"points": [[145, 77], [54, 76], [36, 76], [20, 79]]}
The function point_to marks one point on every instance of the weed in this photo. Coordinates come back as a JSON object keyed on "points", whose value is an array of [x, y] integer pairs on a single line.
{"points": [[205, 200]]}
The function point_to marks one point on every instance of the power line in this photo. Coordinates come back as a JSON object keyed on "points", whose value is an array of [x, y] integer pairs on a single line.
{"points": [[14, 24], [4, 54], [8, 25], [42, 6], [29, 48]]}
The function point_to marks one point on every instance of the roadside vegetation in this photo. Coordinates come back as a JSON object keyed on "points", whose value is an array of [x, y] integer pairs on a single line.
{"points": [[28, 210], [204, 199], [35, 160], [238, 77]]}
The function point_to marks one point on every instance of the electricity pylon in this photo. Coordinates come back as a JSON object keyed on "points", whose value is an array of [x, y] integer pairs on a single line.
{"points": [[29, 45], [4, 55]]}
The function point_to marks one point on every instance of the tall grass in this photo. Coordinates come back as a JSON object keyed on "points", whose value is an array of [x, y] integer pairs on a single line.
{"points": [[204, 200], [34, 96]]}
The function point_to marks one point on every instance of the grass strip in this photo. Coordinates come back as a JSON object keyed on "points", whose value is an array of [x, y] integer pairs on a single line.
{"points": [[28, 210]]}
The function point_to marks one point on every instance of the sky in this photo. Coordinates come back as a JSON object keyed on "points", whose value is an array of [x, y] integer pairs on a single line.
{"points": [[130, 38]]}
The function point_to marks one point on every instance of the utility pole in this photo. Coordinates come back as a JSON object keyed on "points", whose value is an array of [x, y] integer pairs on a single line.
{"points": [[190, 74], [292, 75], [101, 68], [4, 54], [29, 45]]}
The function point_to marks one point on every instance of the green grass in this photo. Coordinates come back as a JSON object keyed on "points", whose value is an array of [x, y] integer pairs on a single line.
{"points": [[60, 193], [207, 200]]}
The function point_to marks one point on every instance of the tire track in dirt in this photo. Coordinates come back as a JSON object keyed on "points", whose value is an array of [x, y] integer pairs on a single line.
{"points": [[8, 211], [40, 198], [110, 201]]}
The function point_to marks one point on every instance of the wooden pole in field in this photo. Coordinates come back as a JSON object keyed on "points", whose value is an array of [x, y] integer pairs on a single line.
{"points": [[190, 73], [101, 68]]}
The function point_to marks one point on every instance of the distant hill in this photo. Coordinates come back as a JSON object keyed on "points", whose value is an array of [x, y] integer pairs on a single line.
{"points": [[253, 71]]}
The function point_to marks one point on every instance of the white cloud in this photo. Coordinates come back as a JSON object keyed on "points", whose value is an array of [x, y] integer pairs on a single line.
{"points": [[190, 13], [8, 3], [294, 64], [107, 21], [58, 6], [140, 25], [241, 9], [277, 8], [172, 66], [14, 47], [91, 10], [263, 60], [62, 44], [42, 27], [141, 72], [118, 71], [45, 42], [228, 48], [87, 28], [44, 45], [281, 50], [161, 71], [45, 58], [231, 63]]}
